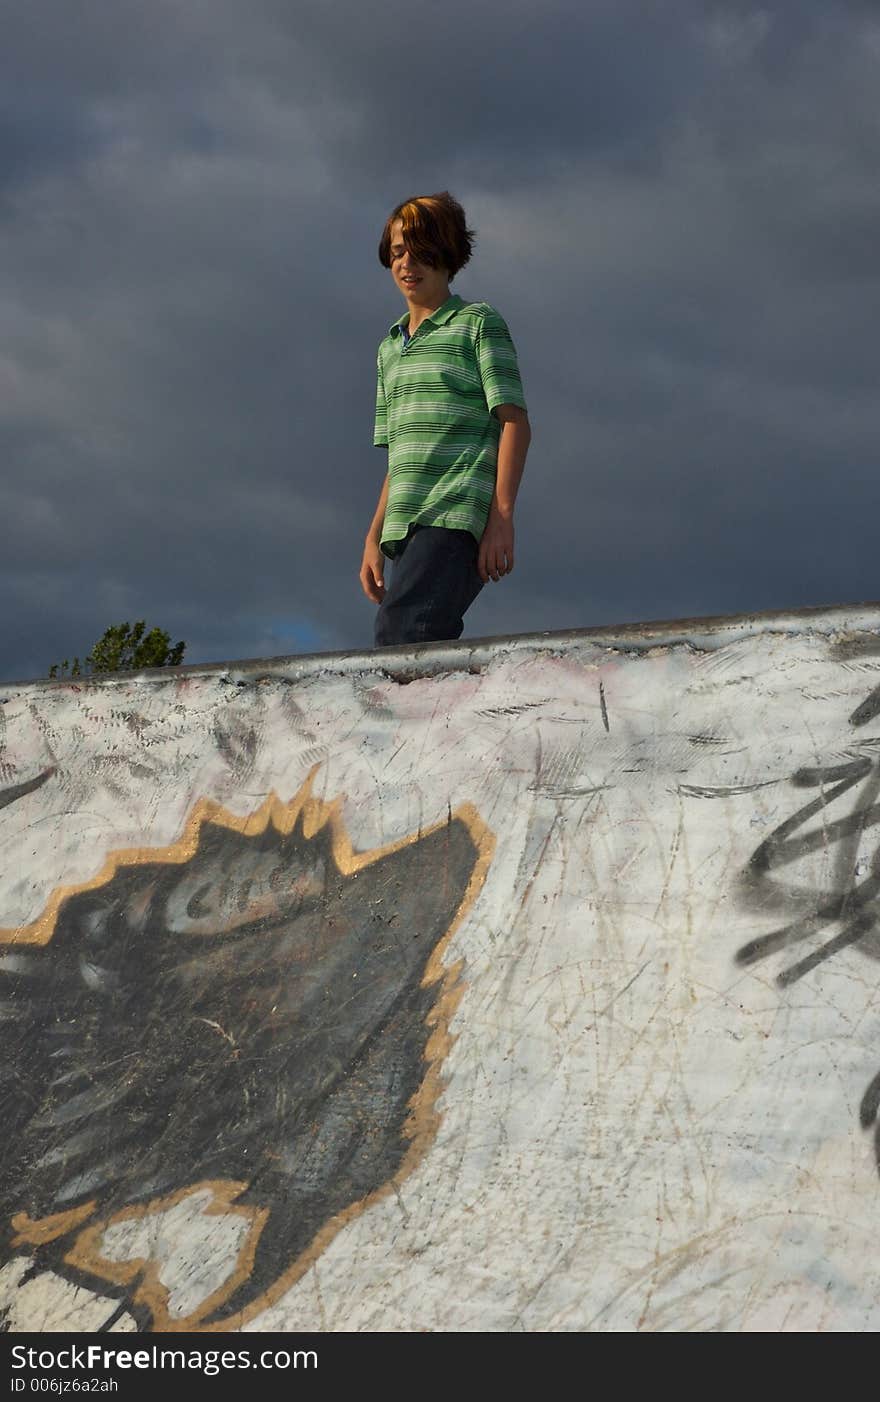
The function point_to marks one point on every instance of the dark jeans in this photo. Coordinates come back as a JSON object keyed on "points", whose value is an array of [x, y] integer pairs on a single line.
{"points": [[434, 582]]}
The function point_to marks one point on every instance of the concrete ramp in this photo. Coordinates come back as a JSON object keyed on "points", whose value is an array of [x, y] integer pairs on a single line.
{"points": [[529, 984]]}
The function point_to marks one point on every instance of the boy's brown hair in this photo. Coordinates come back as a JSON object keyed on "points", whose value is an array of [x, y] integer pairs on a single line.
{"points": [[434, 230]]}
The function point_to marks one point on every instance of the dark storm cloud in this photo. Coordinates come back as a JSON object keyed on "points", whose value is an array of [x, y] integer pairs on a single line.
{"points": [[38, 134], [493, 90], [677, 212]]}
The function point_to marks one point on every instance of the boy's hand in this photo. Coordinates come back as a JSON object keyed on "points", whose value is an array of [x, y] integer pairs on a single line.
{"points": [[495, 555], [373, 572]]}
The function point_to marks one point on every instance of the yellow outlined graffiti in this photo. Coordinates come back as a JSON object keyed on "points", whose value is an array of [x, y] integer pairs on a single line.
{"points": [[142, 1275]]}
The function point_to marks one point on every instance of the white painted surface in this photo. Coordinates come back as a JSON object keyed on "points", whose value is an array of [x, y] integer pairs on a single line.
{"points": [[636, 1131]]}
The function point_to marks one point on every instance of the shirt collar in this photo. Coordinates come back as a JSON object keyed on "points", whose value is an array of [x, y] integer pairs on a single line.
{"points": [[437, 318]]}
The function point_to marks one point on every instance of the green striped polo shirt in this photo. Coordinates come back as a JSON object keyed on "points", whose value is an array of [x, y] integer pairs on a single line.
{"points": [[434, 402]]}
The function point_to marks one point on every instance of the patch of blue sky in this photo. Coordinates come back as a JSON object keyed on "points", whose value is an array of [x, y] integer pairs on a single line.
{"points": [[294, 635]]}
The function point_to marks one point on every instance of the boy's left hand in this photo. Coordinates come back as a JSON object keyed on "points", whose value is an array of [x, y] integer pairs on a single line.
{"points": [[495, 555]]}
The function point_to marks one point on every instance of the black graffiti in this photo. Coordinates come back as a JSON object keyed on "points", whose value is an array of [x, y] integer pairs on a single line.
{"points": [[252, 1015], [848, 900], [843, 912], [16, 791]]}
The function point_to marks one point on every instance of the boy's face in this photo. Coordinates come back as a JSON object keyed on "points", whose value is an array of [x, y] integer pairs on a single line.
{"points": [[420, 284]]}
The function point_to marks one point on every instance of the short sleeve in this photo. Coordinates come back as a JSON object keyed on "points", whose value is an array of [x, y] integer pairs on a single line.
{"points": [[380, 430], [496, 356]]}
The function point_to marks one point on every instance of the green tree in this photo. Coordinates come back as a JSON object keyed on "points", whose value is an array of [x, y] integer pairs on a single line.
{"points": [[124, 648]]}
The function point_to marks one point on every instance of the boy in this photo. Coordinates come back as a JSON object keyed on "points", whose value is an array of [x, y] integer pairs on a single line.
{"points": [[450, 410]]}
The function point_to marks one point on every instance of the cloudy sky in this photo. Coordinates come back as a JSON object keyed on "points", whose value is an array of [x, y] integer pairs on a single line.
{"points": [[677, 209]]}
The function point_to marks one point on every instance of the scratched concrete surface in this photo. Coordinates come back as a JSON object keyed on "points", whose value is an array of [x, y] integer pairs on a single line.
{"points": [[523, 985]]}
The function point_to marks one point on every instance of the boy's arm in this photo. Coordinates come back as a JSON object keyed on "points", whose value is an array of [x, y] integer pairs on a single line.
{"points": [[495, 556], [373, 562]]}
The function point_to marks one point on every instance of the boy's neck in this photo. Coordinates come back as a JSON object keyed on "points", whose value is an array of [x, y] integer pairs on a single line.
{"points": [[420, 311]]}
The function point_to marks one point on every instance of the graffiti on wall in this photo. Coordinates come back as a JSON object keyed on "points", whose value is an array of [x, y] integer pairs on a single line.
{"points": [[249, 1026], [819, 863]]}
